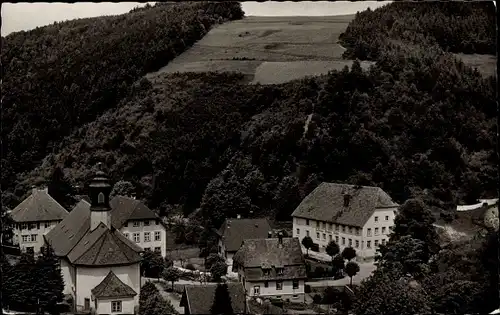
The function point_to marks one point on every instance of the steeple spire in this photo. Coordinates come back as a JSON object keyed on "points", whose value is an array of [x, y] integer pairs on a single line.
{"points": [[99, 190]]}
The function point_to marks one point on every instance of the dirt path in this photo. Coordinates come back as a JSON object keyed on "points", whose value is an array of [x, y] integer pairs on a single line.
{"points": [[174, 298]]}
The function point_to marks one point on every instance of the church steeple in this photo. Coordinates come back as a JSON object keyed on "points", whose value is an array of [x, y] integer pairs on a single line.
{"points": [[99, 190]]}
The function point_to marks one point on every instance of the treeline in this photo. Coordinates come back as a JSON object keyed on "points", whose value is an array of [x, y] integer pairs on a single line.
{"points": [[58, 77], [417, 126], [454, 26]]}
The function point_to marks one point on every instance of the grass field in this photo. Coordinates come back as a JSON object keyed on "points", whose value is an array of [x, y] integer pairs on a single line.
{"points": [[268, 50]]}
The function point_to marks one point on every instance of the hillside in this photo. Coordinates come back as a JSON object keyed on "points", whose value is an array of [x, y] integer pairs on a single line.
{"points": [[419, 123], [59, 77], [268, 50]]}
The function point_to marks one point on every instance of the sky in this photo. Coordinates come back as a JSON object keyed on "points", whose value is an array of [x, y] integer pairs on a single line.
{"points": [[27, 16]]}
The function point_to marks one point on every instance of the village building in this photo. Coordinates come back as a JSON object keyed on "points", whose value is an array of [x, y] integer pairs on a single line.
{"points": [[198, 299], [38, 214], [360, 217], [272, 268], [233, 232], [100, 266]]}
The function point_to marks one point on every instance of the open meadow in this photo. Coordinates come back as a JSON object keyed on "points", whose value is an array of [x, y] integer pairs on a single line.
{"points": [[268, 50]]}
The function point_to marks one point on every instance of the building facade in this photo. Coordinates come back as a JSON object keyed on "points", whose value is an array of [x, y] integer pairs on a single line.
{"points": [[272, 268], [100, 266], [37, 215], [360, 217]]}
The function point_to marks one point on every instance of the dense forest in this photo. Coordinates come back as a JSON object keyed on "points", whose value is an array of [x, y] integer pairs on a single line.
{"points": [[59, 77], [457, 27], [418, 124]]}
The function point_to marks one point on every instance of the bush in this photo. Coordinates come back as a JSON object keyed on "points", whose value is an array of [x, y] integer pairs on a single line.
{"points": [[190, 267], [317, 299], [315, 247], [319, 272], [307, 288]]}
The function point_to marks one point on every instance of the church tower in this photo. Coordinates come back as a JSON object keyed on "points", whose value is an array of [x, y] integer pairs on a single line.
{"points": [[99, 190]]}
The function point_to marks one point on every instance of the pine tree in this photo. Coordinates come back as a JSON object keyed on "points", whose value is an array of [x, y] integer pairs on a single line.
{"points": [[49, 283], [222, 301]]}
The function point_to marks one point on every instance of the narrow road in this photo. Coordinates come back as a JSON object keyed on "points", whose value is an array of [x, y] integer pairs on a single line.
{"points": [[172, 297]]}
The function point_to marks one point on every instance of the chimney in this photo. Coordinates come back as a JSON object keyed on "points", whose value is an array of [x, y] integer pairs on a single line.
{"points": [[280, 239], [269, 234], [347, 198], [238, 216]]}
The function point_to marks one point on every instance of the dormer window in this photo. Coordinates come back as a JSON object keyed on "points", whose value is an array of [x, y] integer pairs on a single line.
{"points": [[266, 271], [100, 198], [279, 271]]}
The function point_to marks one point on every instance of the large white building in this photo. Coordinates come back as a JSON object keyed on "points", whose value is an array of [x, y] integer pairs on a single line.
{"points": [[353, 216], [100, 266], [272, 268], [34, 217]]}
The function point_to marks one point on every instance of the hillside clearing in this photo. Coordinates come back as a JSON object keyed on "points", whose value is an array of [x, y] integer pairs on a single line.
{"points": [[268, 50], [486, 64]]}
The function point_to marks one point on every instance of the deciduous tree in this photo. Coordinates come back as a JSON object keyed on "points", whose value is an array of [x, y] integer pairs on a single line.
{"points": [[351, 269], [332, 249], [307, 242], [349, 253], [218, 270], [171, 274]]}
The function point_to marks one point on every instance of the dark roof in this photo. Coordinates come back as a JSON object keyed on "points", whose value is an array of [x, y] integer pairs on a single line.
{"points": [[255, 255], [201, 297], [235, 231], [39, 206], [102, 246], [83, 197], [326, 203], [126, 208], [112, 286]]}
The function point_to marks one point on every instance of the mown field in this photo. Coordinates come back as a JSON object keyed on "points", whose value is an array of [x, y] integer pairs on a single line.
{"points": [[268, 50]]}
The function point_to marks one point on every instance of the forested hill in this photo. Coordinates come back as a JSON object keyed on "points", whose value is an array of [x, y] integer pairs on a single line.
{"points": [[416, 124], [455, 27], [58, 77]]}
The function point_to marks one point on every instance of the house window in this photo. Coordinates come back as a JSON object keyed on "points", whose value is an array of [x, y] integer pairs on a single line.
{"points": [[295, 284], [343, 240], [266, 284], [369, 232], [331, 237], [307, 221], [336, 239], [146, 223], [383, 230], [298, 231], [357, 244], [376, 243], [38, 226], [100, 198], [376, 231], [47, 225], [317, 235], [383, 242], [369, 244], [157, 222], [32, 226], [24, 226], [26, 238], [295, 296], [266, 271], [279, 271], [137, 223], [323, 225], [126, 235], [343, 228], [324, 236], [147, 237], [387, 218], [350, 242], [256, 290], [116, 306], [33, 237], [279, 285], [147, 249], [317, 224], [157, 249], [330, 226], [336, 227], [157, 236], [137, 237], [349, 229], [376, 219], [307, 233]]}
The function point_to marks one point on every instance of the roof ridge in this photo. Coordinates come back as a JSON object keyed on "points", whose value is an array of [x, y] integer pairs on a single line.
{"points": [[103, 236], [76, 243], [123, 243]]}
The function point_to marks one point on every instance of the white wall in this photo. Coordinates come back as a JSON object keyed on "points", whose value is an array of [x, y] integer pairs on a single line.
{"points": [[96, 217], [286, 293], [69, 276], [104, 306], [17, 237], [151, 228], [87, 278], [325, 232]]}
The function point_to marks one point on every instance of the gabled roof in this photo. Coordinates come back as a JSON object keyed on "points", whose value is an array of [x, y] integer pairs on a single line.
{"points": [[235, 231], [326, 203], [39, 206], [199, 298], [255, 255], [112, 286], [73, 239], [126, 208]]}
